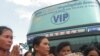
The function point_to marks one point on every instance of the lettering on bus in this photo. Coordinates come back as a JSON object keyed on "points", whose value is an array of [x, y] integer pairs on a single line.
{"points": [[60, 18]]}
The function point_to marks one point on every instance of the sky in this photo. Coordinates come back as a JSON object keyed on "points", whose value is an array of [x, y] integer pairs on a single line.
{"points": [[17, 14]]}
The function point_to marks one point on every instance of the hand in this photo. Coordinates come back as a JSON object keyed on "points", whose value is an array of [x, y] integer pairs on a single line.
{"points": [[15, 51]]}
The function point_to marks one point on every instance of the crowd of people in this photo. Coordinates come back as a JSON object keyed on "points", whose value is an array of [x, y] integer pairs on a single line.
{"points": [[41, 47]]}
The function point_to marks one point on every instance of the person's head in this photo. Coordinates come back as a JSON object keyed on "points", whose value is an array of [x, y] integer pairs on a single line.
{"points": [[63, 49], [6, 37], [52, 51], [91, 51], [82, 48], [41, 45], [28, 53]]}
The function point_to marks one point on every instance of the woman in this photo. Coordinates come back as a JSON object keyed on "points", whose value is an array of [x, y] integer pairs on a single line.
{"points": [[41, 46], [91, 51], [6, 37], [63, 49]]}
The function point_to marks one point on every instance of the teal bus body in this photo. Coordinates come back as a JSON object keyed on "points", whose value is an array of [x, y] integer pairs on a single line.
{"points": [[76, 21]]}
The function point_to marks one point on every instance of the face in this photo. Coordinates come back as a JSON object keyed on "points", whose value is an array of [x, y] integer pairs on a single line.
{"points": [[29, 54], [93, 53], [6, 40], [43, 47], [64, 51]]}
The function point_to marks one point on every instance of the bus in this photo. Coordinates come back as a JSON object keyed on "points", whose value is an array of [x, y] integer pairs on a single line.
{"points": [[75, 21]]}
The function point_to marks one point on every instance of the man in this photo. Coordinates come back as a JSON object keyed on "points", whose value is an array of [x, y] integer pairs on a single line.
{"points": [[6, 40]]}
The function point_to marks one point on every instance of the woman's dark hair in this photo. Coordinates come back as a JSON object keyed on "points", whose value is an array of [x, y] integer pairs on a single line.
{"points": [[91, 48], [2, 28], [83, 47], [37, 40], [62, 45], [27, 53], [52, 50]]}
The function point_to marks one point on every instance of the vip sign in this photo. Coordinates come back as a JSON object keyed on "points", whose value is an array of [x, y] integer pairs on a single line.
{"points": [[59, 18]]}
